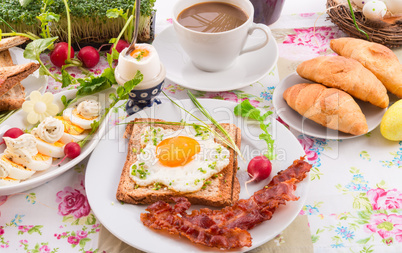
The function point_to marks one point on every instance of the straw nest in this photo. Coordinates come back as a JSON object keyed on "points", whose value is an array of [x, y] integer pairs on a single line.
{"points": [[387, 32]]}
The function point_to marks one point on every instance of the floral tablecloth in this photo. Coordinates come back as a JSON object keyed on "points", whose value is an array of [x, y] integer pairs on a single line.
{"points": [[355, 198]]}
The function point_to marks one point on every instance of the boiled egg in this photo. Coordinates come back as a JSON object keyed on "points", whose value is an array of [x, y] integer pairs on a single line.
{"points": [[48, 134], [72, 132], [84, 114], [16, 170], [7, 181], [145, 59], [37, 162], [374, 10], [55, 149], [178, 160]]}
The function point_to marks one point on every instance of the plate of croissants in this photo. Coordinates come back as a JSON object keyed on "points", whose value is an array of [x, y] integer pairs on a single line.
{"points": [[341, 96]]}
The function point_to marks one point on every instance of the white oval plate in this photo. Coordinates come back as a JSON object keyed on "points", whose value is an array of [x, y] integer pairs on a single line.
{"points": [[249, 68], [18, 119], [305, 126], [123, 220], [34, 81]]}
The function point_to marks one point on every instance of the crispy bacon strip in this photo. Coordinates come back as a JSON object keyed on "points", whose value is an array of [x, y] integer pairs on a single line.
{"points": [[227, 228]]}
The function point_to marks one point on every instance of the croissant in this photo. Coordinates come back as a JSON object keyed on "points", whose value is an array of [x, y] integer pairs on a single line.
{"points": [[348, 75], [329, 107], [377, 58]]}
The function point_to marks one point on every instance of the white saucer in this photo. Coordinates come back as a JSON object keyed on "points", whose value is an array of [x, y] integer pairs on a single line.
{"points": [[373, 113], [249, 68]]}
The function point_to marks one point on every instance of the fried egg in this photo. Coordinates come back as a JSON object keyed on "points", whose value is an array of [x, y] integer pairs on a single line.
{"points": [[181, 160], [83, 114], [15, 170]]}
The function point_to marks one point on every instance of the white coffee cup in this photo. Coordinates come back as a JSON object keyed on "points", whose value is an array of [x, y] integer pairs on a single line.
{"points": [[217, 51]]}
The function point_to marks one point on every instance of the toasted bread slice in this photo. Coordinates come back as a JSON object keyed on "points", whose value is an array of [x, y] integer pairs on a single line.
{"points": [[10, 42], [222, 191], [12, 75], [13, 98], [5, 59]]}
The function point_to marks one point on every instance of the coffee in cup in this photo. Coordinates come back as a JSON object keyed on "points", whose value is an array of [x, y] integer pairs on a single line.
{"points": [[214, 33]]}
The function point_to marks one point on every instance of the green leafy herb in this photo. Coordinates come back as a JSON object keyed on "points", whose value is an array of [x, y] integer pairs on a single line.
{"points": [[247, 110], [35, 48]]}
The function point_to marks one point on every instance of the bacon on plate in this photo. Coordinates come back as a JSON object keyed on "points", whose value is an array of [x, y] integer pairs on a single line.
{"points": [[227, 228]]}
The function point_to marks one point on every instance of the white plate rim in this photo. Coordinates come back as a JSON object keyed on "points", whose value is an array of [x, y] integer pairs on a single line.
{"points": [[92, 192], [284, 111], [221, 86], [46, 176]]}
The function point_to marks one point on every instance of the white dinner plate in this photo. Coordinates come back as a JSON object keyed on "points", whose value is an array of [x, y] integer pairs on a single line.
{"points": [[123, 220], [306, 126], [18, 119], [248, 69], [34, 81]]}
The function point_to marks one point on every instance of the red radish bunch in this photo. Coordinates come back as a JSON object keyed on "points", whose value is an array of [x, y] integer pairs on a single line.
{"points": [[59, 54], [89, 56], [259, 168], [12, 133]]}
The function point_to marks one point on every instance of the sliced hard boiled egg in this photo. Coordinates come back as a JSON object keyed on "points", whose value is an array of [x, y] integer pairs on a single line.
{"points": [[6, 181], [72, 115], [51, 149], [38, 162], [4, 168], [17, 171], [72, 132]]}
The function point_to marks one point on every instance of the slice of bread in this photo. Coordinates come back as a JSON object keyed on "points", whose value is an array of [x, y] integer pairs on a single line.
{"points": [[10, 42], [13, 98], [222, 191]]}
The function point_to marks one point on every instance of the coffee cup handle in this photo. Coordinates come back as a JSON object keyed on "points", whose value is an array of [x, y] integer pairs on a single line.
{"points": [[254, 27]]}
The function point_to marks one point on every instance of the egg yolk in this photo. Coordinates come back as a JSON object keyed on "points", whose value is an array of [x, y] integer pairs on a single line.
{"points": [[177, 151], [69, 127], [139, 53], [58, 144], [40, 157], [15, 165]]}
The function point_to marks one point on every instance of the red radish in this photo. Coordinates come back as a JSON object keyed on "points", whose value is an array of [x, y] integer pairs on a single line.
{"points": [[59, 55], [72, 150], [14, 132], [121, 44], [259, 168], [89, 56]]}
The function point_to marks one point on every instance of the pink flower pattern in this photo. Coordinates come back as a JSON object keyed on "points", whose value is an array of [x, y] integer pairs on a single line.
{"points": [[386, 225], [308, 144], [73, 201], [317, 40], [381, 199]]}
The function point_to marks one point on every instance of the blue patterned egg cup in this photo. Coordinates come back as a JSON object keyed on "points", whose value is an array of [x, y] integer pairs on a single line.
{"points": [[144, 95], [139, 99]]}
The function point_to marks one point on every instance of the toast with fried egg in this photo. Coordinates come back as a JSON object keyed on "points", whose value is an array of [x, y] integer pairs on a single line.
{"points": [[223, 188]]}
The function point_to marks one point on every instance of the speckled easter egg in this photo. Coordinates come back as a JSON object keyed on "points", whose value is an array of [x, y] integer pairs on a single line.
{"points": [[374, 10], [394, 6], [360, 3]]}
